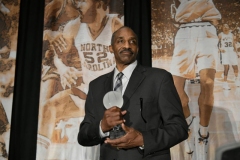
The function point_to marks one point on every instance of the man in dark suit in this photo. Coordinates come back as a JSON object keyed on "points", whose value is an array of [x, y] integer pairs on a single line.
{"points": [[151, 114]]}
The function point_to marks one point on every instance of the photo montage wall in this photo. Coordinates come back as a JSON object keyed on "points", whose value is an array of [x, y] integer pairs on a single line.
{"points": [[9, 19], [198, 41], [76, 41]]}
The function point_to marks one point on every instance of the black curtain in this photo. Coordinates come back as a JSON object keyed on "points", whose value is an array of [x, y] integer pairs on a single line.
{"points": [[138, 17], [24, 121]]}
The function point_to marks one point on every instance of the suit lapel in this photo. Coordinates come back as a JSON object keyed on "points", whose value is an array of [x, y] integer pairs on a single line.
{"points": [[109, 82], [136, 79]]}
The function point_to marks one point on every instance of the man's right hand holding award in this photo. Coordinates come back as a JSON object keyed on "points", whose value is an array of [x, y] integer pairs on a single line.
{"points": [[113, 122]]}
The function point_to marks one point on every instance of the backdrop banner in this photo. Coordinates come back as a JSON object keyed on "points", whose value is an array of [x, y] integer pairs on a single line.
{"points": [[9, 16], [76, 41], [198, 41]]}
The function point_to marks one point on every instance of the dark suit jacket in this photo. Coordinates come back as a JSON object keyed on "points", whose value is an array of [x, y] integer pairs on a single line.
{"points": [[165, 124]]}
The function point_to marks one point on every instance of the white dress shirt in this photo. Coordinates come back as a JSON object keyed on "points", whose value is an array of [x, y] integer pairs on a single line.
{"points": [[127, 72]]}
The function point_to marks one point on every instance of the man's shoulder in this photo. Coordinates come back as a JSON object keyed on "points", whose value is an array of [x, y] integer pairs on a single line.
{"points": [[155, 71], [116, 23], [101, 77]]}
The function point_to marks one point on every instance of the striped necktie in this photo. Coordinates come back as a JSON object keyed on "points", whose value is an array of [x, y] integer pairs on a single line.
{"points": [[118, 85]]}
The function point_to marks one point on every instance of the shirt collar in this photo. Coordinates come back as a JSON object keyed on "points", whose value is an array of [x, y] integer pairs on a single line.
{"points": [[127, 71]]}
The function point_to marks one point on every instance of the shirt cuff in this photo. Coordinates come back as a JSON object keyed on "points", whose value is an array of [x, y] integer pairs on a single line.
{"points": [[141, 147], [102, 135]]}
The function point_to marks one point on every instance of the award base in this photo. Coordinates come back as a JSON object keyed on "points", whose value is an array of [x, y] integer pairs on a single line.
{"points": [[117, 132]]}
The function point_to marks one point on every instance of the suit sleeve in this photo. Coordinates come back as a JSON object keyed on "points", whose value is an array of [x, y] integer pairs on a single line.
{"points": [[173, 127], [89, 128]]}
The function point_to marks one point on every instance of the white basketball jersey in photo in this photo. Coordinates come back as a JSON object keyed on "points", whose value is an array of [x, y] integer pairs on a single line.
{"points": [[95, 56]]}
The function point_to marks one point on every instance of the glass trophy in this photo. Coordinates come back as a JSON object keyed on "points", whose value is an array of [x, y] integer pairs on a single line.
{"points": [[114, 98]]}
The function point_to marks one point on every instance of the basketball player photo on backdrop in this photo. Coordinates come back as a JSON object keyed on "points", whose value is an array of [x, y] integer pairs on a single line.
{"points": [[197, 41], [76, 42], [9, 18]]}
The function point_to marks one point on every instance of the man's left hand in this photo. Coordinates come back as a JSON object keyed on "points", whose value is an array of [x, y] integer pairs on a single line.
{"points": [[131, 139]]}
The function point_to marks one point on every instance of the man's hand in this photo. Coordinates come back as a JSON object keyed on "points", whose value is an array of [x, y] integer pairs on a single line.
{"points": [[133, 138], [58, 40], [68, 76], [112, 117]]}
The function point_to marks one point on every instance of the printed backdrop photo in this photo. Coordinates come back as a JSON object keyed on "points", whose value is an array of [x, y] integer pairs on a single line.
{"points": [[76, 41], [189, 37], [9, 17]]}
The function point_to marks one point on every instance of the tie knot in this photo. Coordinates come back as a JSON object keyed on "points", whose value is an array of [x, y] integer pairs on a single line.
{"points": [[118, 84], [119, 75]]}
